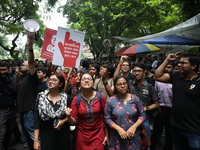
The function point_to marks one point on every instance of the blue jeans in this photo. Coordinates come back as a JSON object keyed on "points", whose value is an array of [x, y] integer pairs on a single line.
{"points": [[27, 123], [184, 140]]}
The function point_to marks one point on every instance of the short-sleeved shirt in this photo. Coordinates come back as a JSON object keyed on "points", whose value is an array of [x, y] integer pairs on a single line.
{"points": [[98, 86], [27, 92], [186, 103], [143, 92]]}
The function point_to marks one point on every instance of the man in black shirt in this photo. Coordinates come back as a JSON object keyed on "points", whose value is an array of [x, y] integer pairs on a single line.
{"points": [[185, 113], [26, 85], [7, 106]]}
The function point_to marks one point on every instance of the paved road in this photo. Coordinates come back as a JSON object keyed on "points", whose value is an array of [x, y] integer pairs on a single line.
{"points": [[17, 145], [20, 146]]}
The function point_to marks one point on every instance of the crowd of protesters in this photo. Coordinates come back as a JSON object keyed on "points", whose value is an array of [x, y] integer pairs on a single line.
{"points": [[101, 104]]}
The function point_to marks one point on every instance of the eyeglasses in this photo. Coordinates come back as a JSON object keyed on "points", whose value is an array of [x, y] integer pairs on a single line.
{"points": [[125, 65], [84, 79], [139, 71], [120, 84], [183, 62], [52, 80]]}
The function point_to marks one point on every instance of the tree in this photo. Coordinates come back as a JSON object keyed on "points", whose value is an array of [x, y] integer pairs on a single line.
{"points": [[189, 8], [14, 13], [3, 53], [108, 18]]}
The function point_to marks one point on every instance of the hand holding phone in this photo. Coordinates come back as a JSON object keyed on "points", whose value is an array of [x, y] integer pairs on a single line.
{"points": [[55, 122]]}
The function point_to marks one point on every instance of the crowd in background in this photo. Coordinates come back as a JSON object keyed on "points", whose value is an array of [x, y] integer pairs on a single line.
{"points": [[105, 102]]}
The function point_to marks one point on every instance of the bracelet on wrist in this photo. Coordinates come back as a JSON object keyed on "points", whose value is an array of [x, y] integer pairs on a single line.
{"points": [[147, 108], [120, 63]]}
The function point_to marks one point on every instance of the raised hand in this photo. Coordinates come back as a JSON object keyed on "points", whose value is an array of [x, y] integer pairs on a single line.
{"points": [[172, 56]]}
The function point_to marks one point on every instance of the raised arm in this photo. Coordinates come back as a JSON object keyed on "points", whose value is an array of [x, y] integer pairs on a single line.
{"points": [[31, 61], [159, 74], [117, 71]]}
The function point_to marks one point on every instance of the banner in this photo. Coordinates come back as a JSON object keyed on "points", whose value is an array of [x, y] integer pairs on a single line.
{"points": [[68, 47], [48, 44]]}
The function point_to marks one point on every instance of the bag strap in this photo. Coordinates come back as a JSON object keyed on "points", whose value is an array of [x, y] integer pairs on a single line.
{"points": [[78, 99], [136, 106], [150, 92]]}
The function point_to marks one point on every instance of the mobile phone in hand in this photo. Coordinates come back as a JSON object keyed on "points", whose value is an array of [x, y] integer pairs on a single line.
{"points": [[55, 122]]}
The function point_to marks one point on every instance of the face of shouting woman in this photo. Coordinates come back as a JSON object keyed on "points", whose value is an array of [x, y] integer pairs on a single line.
{"points": [[54, 82], [87, 81]]}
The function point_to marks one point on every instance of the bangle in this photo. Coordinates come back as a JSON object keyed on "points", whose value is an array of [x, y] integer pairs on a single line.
{"points": [[120, 64], [147, 108]]}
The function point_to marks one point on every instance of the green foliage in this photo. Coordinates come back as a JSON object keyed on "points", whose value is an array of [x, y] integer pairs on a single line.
{"points": [[108, 18], [14, 13], [189, 8]]}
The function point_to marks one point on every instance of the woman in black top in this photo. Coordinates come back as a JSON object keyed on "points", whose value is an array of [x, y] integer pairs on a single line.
{"points": [[50, 118]]}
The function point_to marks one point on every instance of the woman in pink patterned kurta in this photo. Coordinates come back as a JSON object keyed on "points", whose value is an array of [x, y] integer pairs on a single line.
{"points": [[122, 116]]}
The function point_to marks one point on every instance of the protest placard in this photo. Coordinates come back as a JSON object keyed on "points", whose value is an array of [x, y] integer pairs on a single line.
{"points": [[68, 47], [48, 44]]}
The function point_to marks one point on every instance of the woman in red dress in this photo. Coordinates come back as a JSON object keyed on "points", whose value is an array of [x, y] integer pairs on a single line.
{"points": [[86, 112]]}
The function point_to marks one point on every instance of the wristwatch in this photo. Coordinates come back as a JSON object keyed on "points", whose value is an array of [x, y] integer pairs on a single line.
{"points": [[105, 83], [147, 108]]}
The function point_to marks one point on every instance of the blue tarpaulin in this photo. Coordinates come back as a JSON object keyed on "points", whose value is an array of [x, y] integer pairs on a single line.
{"points": [[172, 40]]}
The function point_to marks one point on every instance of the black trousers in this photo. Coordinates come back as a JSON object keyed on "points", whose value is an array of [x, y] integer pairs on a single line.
{"points": [[7, 124], [160, 121]]}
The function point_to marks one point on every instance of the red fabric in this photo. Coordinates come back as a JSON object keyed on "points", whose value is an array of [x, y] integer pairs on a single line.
{"points": [[73, 81], [89, 136], [64, 76]]}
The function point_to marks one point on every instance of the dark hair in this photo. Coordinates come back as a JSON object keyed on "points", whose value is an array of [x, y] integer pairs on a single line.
{"points": [[172, 63], [140, 65], [42, 69], [85, 63], [115, 81], [161, 55], [193, 59], [56, 67], [4, 64], [110, 69], [96, 66], [61, 79], [139, 59], [81, 74]]}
